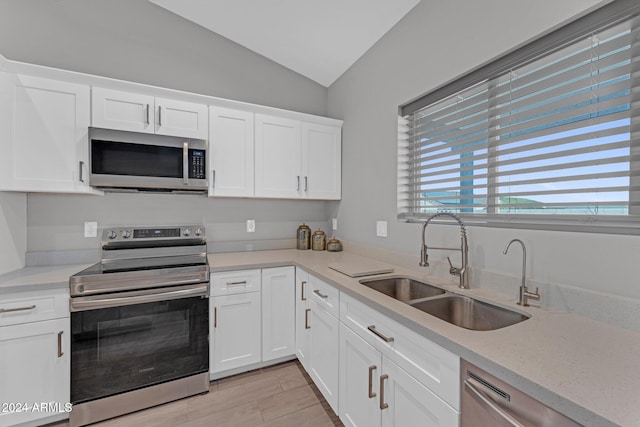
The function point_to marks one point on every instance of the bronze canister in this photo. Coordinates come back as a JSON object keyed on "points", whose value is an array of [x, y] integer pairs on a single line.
{"points": [[319, 241], [334, 245], [303, 237]]}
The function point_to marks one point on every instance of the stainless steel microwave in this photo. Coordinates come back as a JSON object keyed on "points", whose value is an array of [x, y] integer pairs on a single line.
{"points": [[130, 161]]}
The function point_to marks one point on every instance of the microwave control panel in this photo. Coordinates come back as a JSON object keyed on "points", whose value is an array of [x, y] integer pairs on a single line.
{"points": [[197, 166]]}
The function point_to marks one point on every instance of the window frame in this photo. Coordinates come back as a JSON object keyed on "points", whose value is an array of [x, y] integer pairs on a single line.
{"points": [[607, 15]]}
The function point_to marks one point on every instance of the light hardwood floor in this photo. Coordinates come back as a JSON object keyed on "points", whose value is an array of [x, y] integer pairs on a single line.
{"points": [[278, 396]]}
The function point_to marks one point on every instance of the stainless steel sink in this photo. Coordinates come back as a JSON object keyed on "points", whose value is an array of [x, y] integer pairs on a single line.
{"points": [[469, 313], [402, 288]]}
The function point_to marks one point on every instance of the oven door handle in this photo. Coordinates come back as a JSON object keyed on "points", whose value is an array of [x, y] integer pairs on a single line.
{"points": [[137, 297]]}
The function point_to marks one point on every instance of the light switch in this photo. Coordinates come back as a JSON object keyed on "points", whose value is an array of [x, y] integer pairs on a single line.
{"points": [[381, 228], [90, 229]]}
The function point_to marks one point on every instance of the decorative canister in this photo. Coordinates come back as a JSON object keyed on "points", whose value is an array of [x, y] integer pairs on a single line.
{"points": [[319, 241], [334, 245], [304, 237]]}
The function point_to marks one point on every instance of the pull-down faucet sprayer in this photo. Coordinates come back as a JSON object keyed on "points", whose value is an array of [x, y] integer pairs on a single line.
{"points": [[461, 271]]}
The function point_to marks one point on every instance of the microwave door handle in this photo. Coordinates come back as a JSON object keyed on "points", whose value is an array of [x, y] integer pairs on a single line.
{"points": [[185, 163]]}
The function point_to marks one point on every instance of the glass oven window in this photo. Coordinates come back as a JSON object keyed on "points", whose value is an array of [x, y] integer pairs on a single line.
{"points": [[119, 349], [121, 158]]}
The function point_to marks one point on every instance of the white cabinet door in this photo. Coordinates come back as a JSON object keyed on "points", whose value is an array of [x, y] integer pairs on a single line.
{"points": [[34, 367], [411, 403], [360, 367], [302, 317], [277, 161], [183, 119], [114, 109], [230, 152], [278, 312], [321, 161], [43, 134], [323, 352], [122, 110], [235, 331]]}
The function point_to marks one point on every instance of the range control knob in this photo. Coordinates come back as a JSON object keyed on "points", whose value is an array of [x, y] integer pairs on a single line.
{"points": [[126, 234], [112, 234], [186, 232], [198, 232]]}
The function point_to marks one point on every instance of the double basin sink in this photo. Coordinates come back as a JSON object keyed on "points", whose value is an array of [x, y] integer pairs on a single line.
{"points": [[458, 310]]}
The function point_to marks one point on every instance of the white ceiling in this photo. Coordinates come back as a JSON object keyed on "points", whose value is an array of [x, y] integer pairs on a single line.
{"points": [[319, 39]]}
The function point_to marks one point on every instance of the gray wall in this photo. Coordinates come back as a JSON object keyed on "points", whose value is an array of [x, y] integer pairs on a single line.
{"points": [[455, 36], [137, 41]]}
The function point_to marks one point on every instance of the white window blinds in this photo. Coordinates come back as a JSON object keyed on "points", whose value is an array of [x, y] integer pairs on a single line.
{"points": [[556, 137]]}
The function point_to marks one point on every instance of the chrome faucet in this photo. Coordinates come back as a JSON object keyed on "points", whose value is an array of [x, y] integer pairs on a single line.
{"points": [[525, 294], [461, 271]]}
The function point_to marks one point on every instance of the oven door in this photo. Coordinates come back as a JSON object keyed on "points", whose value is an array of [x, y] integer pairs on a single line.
{"points": [[130, 340]]}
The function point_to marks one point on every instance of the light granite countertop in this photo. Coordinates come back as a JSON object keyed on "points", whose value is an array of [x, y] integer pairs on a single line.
{"points": [[585, 369], [581, 367]]}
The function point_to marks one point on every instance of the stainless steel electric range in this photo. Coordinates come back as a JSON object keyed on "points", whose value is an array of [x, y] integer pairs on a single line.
{"points": [[140, 322]]}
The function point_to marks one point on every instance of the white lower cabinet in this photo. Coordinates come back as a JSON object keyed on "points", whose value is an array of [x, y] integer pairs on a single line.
{"points": [[235, 331], [278, 313], [34, 359], [302, 318]]}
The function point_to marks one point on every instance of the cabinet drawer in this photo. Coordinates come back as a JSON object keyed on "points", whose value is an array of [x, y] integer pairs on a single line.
{"points": [[26, 307], [235, 282], [327, 297], [435, 367]]}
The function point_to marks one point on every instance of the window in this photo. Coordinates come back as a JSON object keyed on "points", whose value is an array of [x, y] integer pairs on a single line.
{"points": [[548, 136]]}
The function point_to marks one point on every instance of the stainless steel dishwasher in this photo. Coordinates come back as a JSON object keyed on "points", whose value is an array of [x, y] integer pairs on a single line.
{"points": [[488, 401]]}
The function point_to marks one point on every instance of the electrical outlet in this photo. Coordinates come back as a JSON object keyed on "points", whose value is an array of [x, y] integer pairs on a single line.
{"points": [[334, 224], [251, 226], [90, 229], [381, 228]]}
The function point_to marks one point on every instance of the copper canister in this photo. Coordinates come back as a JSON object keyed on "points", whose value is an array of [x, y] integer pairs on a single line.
{"points": [[319, 241], [303, 236]]}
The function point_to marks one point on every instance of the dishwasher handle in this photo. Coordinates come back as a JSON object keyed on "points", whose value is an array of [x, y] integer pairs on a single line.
{"points": [[483, 400]]}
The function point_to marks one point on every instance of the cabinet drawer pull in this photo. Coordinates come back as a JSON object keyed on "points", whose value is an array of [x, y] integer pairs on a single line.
{"points": [[298, 183], [373, 329], [306, 318], [9, 310], [383, 405], [81, 167], [159, 115], [215, 317], [302, 297], [147, 118], [317, 292], [244, 282], [60, 352], [372, 394], [306, 183], [213, 178]]}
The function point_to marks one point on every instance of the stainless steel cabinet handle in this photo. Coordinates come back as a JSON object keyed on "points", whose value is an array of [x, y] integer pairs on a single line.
{"points": [[81, 164], [185, 163], [215, 317], [317, 292], [213, 178], [373, 329], [9, 310], [306, 318], [244, 282], [372, 394], [302, 297], [159, 115], [306, 183], [383, 405], [486, 402], [147, 119], [60, 352], [298, 184]]}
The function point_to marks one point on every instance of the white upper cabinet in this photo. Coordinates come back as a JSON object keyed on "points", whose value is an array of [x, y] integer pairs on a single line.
{"points": [[121, 110], [43, 134], [297, 159], [321, 161], [278, 170], [230, 152]]}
